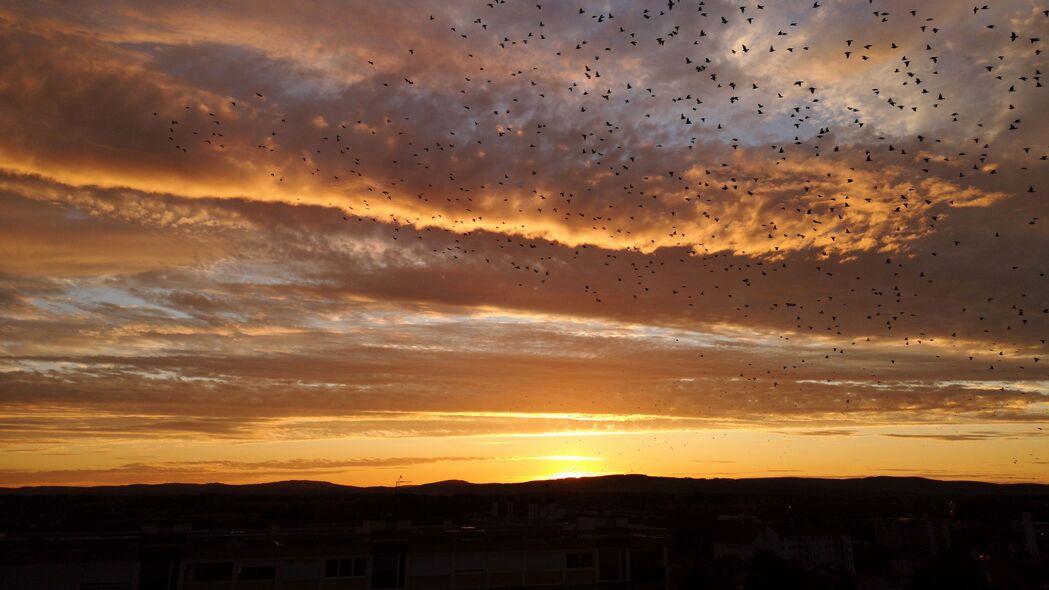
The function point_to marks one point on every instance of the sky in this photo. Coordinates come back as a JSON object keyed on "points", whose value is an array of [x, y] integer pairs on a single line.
{"points": [[365, 242]]}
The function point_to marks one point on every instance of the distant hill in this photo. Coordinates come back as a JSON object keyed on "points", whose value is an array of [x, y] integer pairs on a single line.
{"points": [[610, 484], [289, 487], [792, 486]]}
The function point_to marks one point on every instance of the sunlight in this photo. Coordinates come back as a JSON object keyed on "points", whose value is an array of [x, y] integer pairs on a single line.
{"points": [[569, 458], [573, 474]]}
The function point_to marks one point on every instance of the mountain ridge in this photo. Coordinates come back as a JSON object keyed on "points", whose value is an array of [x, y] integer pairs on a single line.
{"points": [[607, 484]]}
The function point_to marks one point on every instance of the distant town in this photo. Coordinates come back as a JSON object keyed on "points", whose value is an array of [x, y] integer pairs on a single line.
{"points": [[627, 532]]}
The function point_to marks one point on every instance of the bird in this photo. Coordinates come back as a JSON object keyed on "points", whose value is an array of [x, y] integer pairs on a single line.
{"points": [[653, 171]]}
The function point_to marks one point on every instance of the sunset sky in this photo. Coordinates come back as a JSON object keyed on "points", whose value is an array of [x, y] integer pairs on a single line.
{"points": [[362, 241]]}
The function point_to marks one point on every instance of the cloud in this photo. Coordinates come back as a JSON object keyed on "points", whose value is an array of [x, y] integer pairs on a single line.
{"points": [[712, 195], [825, 432], [963, 436], [210, 471], [247, 222]]}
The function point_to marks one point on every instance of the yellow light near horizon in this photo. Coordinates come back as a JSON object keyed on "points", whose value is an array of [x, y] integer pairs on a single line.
{"points": [[574, 473]]}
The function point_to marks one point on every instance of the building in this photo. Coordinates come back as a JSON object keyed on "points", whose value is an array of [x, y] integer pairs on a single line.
{"points": [[913, 541], [827, 550], [589, 552]]}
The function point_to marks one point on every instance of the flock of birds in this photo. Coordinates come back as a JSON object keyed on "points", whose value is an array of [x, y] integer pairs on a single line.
{"points": [[639, 212]]}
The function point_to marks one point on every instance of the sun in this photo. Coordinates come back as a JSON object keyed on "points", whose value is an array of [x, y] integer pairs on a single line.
{"points": [[575, 473]]}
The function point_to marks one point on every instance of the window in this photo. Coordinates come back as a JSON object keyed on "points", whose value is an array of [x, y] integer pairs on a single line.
{"points": [[346, 567], [257, 572], [576, 560], [213, 572], [302, 569]]}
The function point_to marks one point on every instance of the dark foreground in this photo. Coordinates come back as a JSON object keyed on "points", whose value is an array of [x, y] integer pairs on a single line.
{"points": [[624, 532]]}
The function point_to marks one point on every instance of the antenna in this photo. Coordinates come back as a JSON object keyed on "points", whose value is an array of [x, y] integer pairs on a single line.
{"points": [[401, 482]]}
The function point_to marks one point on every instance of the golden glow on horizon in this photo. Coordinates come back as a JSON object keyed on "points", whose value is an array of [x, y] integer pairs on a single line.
{"points": [[573, 474], [831, 452], [574, 458]]}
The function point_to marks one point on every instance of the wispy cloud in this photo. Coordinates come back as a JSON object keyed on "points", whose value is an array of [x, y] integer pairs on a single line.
{"points": [[254, 223]]}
